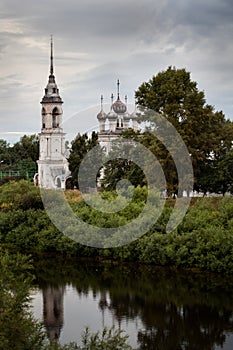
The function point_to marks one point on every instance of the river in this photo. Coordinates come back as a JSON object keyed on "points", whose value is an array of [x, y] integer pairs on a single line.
{"points": [[160, 308]]}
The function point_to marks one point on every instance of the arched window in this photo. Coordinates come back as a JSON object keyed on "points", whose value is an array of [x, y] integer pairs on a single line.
{"points": [[55, 114]]}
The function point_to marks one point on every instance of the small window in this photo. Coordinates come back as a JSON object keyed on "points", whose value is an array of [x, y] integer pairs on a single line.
{"points": [[43, 125]]}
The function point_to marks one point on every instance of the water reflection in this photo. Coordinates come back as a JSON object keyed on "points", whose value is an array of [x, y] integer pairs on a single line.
{"points": [[53, 311], [170, 309]]}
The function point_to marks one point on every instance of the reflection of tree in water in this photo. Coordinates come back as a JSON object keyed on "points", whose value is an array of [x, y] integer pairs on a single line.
{"points": [[176, 328], [172, 327], [178, 310], [170, 324]]}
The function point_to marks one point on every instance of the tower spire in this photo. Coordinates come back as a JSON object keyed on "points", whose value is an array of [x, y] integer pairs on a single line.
{"points": [[51, 56], [51, 90]]}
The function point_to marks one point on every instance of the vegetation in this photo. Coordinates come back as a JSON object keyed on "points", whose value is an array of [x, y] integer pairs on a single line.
{"points": [[206, 133], [18, 330], [204, 240], [80, 147], [19, 160]]}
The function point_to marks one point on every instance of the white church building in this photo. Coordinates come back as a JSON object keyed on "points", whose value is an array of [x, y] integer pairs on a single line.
{"points": [[53, 167]]}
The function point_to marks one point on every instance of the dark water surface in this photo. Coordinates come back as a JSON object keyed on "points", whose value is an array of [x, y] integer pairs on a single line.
{"points": [[159, 308]]}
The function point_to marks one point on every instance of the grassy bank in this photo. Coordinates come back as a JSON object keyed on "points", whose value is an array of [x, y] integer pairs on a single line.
{"points": [[204, 240]]}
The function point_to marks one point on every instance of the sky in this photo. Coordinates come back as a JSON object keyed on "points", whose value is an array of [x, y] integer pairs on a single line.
{"points": [[97, 42]]}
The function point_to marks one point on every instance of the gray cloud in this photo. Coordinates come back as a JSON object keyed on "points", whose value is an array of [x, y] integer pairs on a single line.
{"points": [[97, 42]]}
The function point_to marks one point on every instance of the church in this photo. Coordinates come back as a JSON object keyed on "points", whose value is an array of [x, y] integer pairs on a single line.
{"points": [[53, 166]]}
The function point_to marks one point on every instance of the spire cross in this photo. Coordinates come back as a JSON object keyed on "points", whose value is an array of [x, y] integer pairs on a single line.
{"points": [[118, 89], [126, 98], [101, 102], [51, 56], [112, 98]]}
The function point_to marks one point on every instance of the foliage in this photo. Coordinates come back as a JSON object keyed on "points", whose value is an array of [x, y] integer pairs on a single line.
{"points": [[204, 240], [20, 195], [18, 330], [205, 132], [118, 165], [24, 151], [80, 147], [21, 157]]}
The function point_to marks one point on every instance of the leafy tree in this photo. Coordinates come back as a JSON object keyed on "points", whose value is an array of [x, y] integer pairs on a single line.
{"points": [[223, 179], [173, 94], [26, 149], [5, 154], [22, 156], [80, 147], [18, 330], [20, 195]]}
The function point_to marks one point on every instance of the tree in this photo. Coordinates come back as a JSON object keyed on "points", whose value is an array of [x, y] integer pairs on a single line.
{"points": [[27, 149], [222, 182], [119, 166], [80, 147], [173, 94], [18, 328], [21, 157], [5, 154]]}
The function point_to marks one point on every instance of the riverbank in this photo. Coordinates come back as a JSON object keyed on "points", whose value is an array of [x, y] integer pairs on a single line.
{"points": [[203, 240]]}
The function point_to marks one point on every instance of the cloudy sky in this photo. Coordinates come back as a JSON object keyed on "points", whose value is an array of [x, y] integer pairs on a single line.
{"points": [[98, 41]]}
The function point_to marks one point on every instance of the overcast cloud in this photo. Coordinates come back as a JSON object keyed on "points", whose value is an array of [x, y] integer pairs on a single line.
{"points": [[97, 42]]}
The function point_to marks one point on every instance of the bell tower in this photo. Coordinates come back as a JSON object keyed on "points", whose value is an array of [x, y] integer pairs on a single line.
{"points": [[52, 162]]}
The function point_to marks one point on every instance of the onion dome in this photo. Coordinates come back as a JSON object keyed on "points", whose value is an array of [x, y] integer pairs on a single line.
{"points": [[101, 114], [119, 107]]}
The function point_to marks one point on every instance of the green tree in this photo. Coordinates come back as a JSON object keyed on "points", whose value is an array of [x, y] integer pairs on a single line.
{"points": [[223, 179], [26, 149], [18, 330], [80, 147], [20, 195], [173, 94], [20, 158], [5, 154]]}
